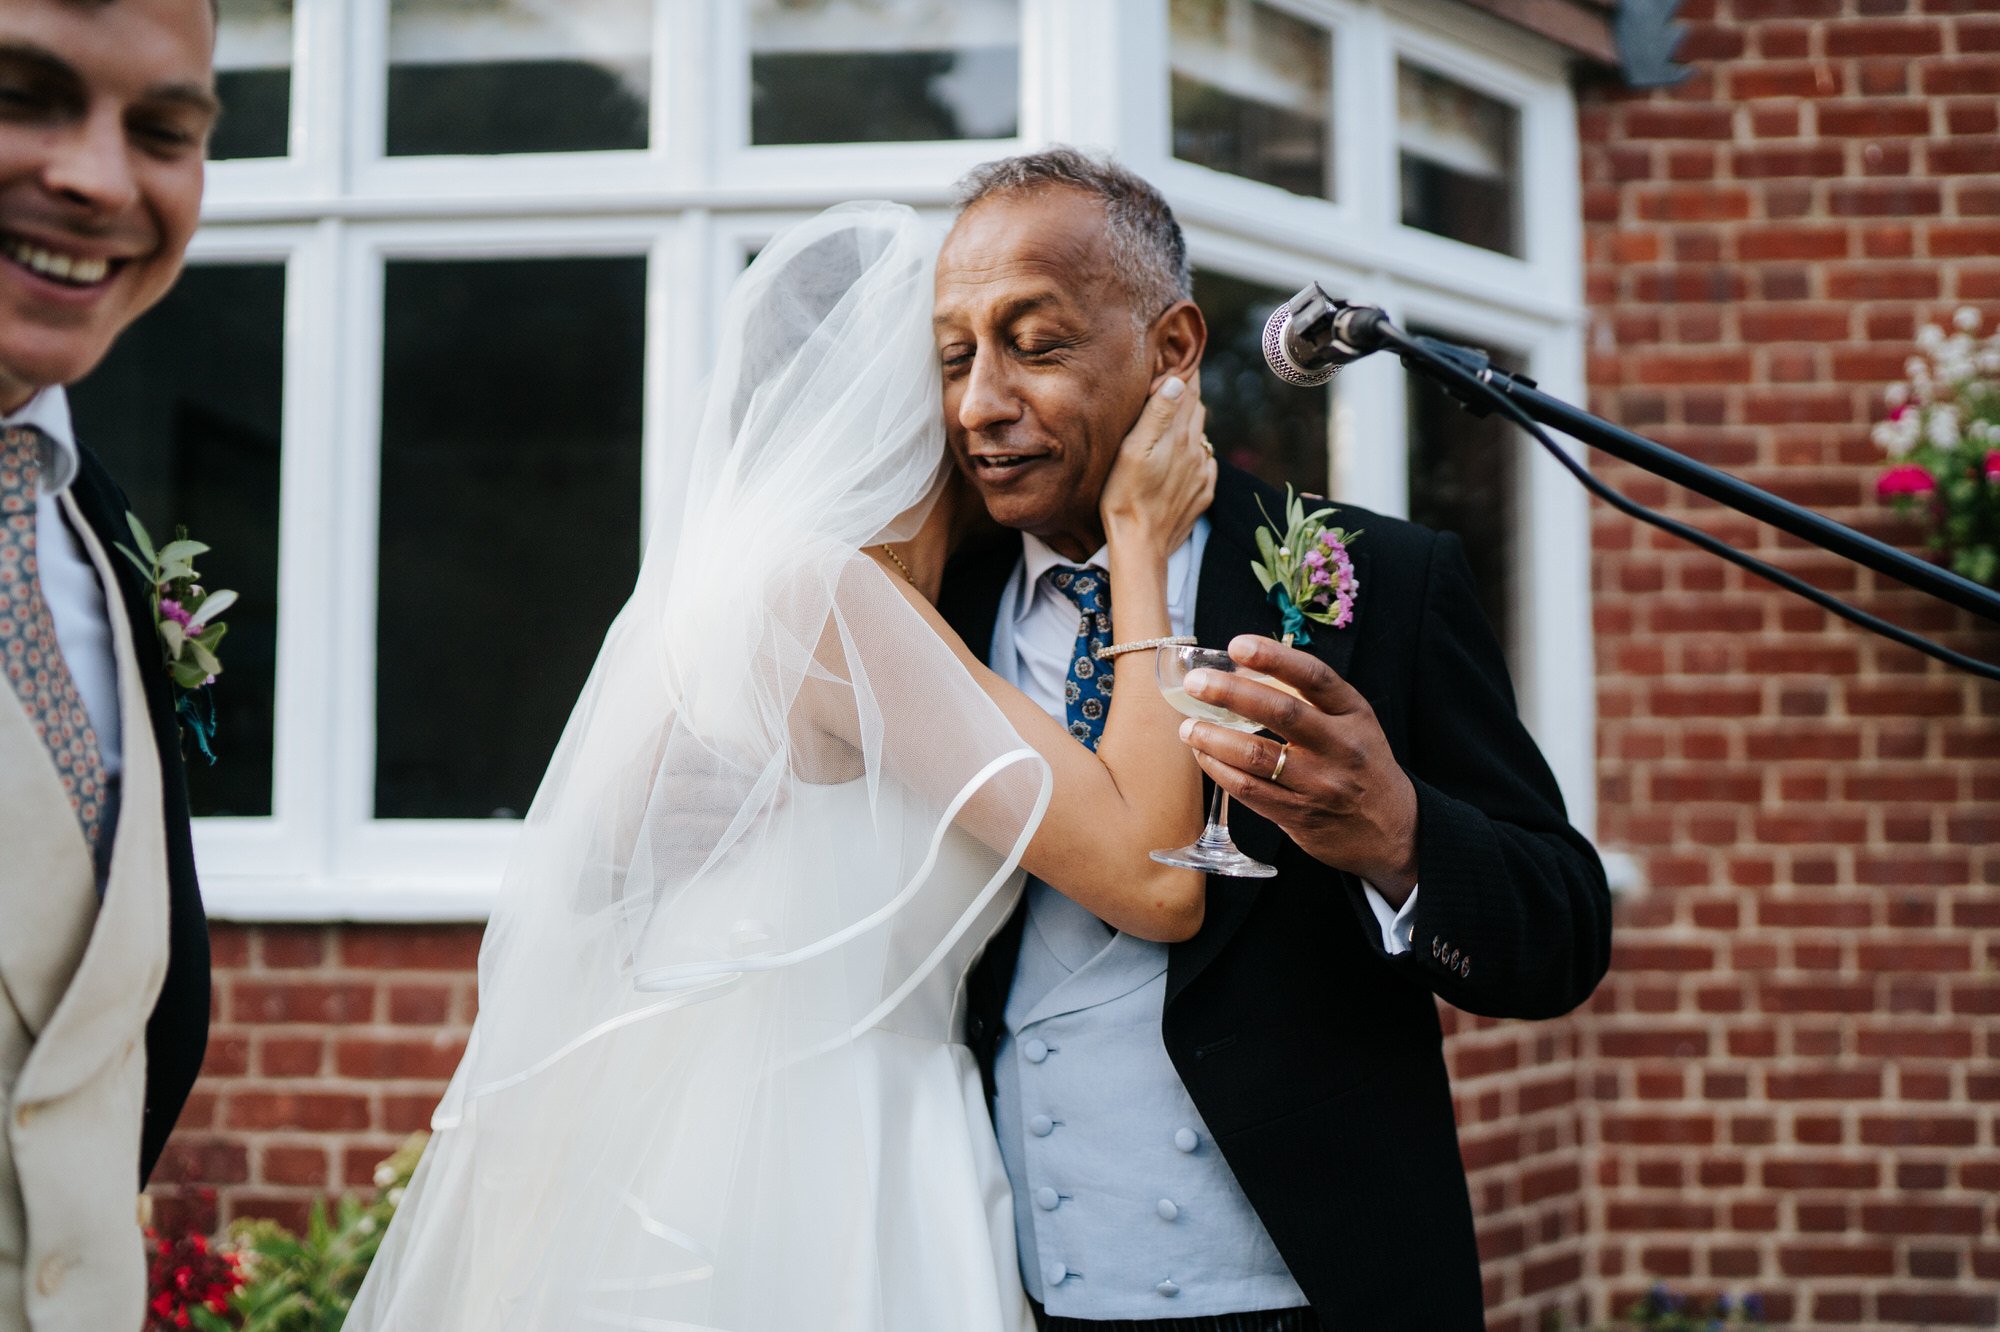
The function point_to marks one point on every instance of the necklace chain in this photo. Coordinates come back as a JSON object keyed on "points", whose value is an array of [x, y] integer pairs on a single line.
{"points": [[888, 550]]}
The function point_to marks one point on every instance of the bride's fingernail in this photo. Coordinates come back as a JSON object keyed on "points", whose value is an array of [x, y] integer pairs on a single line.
{"points": [[1195, 682], [1173, 388], [1187, 728]]}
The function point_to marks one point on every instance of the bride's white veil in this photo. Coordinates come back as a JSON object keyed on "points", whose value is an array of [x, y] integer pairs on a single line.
{"points": [[780, 802]]}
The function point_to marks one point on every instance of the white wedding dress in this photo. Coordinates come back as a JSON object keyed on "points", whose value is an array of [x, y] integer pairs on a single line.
{"points": [[715, 1081]]}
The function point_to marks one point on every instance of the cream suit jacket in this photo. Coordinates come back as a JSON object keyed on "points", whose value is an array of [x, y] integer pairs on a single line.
{"points": [[78, 980]]}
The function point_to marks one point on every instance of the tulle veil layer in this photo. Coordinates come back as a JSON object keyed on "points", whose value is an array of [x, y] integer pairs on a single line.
{"points": [[780, 805]]}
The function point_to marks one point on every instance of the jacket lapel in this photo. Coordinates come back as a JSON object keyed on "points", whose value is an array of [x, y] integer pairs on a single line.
{"points": [[1229, 602]]}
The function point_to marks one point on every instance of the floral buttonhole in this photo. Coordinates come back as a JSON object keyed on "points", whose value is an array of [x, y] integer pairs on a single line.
{"points": [[184, 618], [1304, 567]]}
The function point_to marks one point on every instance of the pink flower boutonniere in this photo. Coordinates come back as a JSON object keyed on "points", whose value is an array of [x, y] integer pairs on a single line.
{"points": [[1306, 570], [184, 616]]}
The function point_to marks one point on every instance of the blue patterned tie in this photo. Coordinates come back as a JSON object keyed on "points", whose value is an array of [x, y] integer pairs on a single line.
{"points": [[1087, 691]]}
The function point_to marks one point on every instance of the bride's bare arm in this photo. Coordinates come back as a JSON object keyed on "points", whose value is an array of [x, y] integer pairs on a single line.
{"points": [[1141, 790]]}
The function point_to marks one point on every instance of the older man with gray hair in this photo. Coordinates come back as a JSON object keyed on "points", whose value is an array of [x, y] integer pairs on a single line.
{"points": [[1250, 1131]]}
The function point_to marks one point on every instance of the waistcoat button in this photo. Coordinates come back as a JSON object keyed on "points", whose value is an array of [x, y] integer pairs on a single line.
{"points": [[1041, 1126], [1054, 1274], [1168, 1288], [1167, 1210], [1034, 1051], [1186, 1139], [1047, 1198]]}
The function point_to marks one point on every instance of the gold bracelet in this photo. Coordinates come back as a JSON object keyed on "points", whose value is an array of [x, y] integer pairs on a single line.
{"points": [[1120, 649]]}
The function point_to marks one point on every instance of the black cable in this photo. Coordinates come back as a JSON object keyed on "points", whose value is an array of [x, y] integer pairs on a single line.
{"points": [[1412, 349]]}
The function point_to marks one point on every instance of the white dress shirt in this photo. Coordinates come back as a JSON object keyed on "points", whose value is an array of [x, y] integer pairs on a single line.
{"points": [[1034, 639], [70, 585]]}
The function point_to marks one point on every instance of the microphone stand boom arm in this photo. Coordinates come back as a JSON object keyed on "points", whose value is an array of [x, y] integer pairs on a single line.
{"points": [[1462, 372]]}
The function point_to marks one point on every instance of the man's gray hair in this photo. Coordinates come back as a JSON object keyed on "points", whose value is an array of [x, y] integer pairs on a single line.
{"points": [[1148, 251]]}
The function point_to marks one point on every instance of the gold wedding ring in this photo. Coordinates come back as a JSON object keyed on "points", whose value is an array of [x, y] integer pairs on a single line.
{"points": [[1284, 752], [1207, 447]]}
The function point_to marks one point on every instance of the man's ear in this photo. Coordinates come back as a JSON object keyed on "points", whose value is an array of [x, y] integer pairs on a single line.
{"points": [[1178, 338]]}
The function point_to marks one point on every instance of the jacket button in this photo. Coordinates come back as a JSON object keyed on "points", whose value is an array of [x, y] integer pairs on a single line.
{"points": [[1041, 1126], [1186, 1139], [976, 1028]]}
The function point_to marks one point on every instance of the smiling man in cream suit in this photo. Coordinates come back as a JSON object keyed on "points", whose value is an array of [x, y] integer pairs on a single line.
{"points": [[105, 111]]}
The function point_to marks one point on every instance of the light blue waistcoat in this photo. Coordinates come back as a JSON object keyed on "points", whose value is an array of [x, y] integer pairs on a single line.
{"points": [[1123, 1207]]}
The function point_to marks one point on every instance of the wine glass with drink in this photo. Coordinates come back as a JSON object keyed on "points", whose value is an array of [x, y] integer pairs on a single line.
{"points": [[1213, 851]]}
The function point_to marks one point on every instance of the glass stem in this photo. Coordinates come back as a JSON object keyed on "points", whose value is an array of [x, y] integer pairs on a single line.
{"points": [[1217, 831]]}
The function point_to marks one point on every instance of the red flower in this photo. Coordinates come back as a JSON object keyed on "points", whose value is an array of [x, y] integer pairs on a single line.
{"points": [[1907, 479], [1993, 466]]}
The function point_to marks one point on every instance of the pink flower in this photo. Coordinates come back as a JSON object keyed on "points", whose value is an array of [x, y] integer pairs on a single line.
{"points": [[174, 611], [1993, 466], [1907, 479]]}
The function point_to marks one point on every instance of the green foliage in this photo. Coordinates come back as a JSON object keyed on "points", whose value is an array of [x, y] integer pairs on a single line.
{"points": [[1944, 432], [306, 1283]]}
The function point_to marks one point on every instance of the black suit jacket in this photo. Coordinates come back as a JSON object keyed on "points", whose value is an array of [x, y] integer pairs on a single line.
{"points": [[1313, 1055], [177, 1033]]}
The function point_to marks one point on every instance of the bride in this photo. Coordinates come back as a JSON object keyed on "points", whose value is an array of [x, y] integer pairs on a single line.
{"points": [[715, 1079]]}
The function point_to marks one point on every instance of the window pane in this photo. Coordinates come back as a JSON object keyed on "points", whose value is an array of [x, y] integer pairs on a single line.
{"points": [[253, 76], [1459, 151], [1253, 93], [186, 412], [509, 519], [1256, 420], [884, 71], [1462, 480], [517, 76]]}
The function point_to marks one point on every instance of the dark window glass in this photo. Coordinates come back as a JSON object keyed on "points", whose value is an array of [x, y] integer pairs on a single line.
{"points": [[253, 77], [511, 394], [1462, 471], [858, 71], [508, 76], [1253, 93], [1256, 420], [1458, 151], [187, 411]]}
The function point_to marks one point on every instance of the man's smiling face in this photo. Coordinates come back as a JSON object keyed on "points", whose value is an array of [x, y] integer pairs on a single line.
{"points": [[1044, 364], [105, 111]]}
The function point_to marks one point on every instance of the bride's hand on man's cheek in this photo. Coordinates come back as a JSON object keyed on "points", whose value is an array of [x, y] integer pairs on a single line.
{"points": [[1164, 477]]}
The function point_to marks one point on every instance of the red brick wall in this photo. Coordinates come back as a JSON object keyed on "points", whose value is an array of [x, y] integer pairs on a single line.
{"points": [[1795, 1065]]}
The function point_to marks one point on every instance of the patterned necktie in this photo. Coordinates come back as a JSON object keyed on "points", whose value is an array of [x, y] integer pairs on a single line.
{"points": [[1087, 691], [29, 656]]}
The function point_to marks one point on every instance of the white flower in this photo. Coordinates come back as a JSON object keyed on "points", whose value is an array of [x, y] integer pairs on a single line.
{"points": [[1285, 550], [1897, 437], [1930, 335], [1943, 428], [366, 1225], [1896, 395], [1966, 318], [394, 1197], [385, 1175], [1989, 360], [1916, 369]]}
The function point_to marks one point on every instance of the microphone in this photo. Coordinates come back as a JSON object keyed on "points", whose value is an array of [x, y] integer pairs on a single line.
{"points": [[1310, 337]]}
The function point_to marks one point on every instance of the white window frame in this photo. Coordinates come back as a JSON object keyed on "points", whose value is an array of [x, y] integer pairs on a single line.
{"points": [[699, 198]]}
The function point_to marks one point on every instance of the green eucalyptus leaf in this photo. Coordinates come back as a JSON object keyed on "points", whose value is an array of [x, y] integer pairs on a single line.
{"points": [[181, 550], [213, 605], [139, 535], [173, 636], [211, 636], [188, 674], [145, 567], [203, 657], [1263, 575]]}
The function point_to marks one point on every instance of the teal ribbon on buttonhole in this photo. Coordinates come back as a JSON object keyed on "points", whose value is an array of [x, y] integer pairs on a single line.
{"points": [[196, 710], [1292, 619]]}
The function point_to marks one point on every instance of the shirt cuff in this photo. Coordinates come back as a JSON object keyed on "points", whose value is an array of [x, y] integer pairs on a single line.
{"points": [[1396, 925]]}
